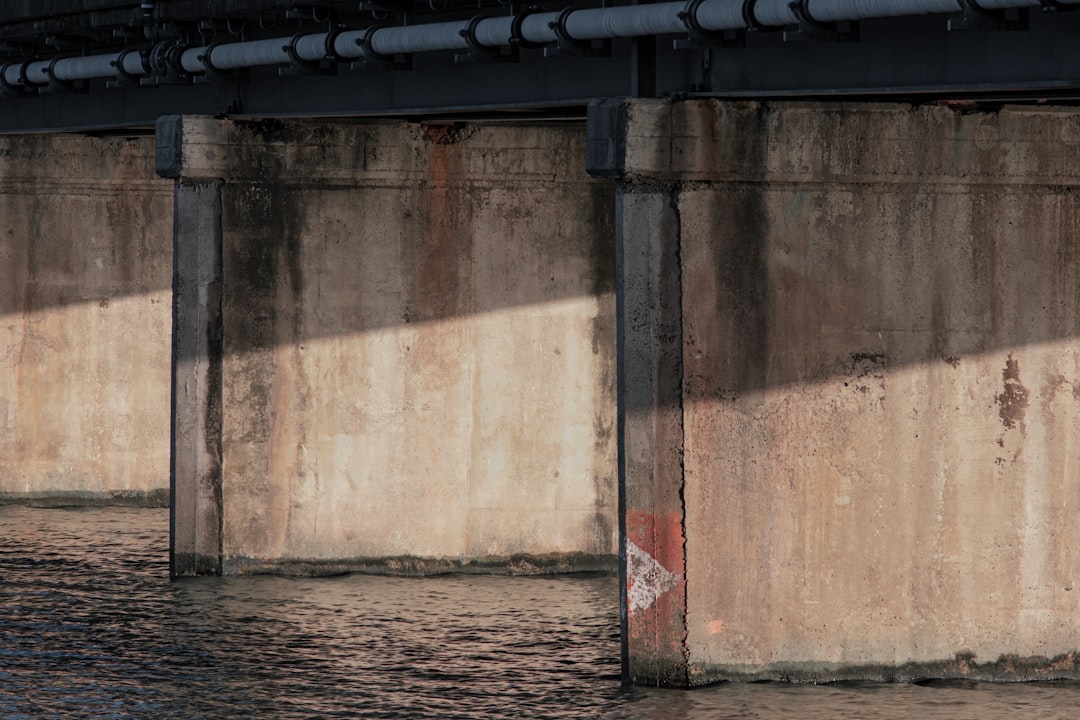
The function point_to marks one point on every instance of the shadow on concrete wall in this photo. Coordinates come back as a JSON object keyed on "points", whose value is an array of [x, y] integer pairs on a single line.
{"points": [[84, 220], [796, 243], [318, 262], [782, 283], [801, 284]]}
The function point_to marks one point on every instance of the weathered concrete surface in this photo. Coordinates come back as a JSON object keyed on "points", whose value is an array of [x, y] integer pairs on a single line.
{"points": [[84, 321], [880, 365], [651, 367], [418, 345], [195, 518]]}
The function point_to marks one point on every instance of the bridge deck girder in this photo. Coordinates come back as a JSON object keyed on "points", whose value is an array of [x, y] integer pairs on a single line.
{"points": [[1022, 54]]}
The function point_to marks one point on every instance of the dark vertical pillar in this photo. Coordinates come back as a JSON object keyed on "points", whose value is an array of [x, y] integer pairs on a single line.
{"points": [[643, 68], [650, 368], [195, 469]]}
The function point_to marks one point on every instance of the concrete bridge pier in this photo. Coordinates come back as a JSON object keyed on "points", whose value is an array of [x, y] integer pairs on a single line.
{"points": [[84, 321], [393, 348], [847, 352], [196, 434], [849, 357]]}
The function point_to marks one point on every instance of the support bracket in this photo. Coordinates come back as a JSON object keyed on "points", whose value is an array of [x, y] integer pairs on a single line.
{"points": [[123, 78], [483, 53], [976, 17], [811, 30], [567, 46], [298, 66], [702, 39], [61, 87], [371, 60]]}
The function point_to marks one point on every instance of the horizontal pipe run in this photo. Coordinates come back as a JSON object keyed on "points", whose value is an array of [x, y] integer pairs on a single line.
{"points": [[538, 28], [633, 21], [775, 13], [236, 55], [420, 38], [720, 16], [838, 10], [534, 28]]}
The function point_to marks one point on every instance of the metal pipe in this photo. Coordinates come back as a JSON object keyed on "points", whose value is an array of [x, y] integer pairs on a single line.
{"points": [[12, 74], [420, 38], [775, 13], [349, 44], [84, 68], [236, 55], [148, 12], [633, 21], [495, 32], [719, 15], [536, 28], [539, 28], [836, 10]]}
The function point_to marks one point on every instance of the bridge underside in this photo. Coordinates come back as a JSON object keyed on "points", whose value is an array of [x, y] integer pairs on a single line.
{"points": [[842, 337], [1018, 54], [846, 350]]}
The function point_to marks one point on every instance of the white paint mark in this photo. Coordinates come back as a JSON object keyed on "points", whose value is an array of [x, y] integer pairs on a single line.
{"points": [[648, 579]]}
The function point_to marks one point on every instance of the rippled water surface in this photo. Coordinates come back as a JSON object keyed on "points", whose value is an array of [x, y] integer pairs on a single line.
{"points": [[91, 627]]}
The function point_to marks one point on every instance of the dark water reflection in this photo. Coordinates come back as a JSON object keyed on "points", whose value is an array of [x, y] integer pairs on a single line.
{"points": [[90, 627]]}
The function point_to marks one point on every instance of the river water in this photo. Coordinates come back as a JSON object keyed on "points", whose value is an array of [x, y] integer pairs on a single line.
{"points": [[91, 627]]}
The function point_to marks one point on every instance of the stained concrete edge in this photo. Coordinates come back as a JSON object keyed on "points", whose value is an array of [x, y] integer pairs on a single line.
{"points": [[158, 498], [963, 667], [513, 565]]}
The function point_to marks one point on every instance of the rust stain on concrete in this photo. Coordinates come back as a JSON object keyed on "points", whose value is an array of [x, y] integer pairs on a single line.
{"points": [[445, 133], [656, 594], [1013, 400]]}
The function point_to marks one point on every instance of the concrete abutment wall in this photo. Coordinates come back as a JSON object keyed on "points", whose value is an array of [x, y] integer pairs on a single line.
{"points": [[851, 367], [848, 351], [394, 348], [85, 254]]}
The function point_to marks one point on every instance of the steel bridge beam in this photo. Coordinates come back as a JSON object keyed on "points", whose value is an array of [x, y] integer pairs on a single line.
{"points": [[1033, 55]]}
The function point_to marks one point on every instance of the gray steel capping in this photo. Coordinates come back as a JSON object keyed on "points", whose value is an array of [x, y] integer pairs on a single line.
{"points": [[605, 138], [168, 147]]}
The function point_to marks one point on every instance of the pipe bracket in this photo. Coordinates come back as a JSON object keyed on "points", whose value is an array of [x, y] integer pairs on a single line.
{"points": [[517, 37], [813, 30], [331, 44], [60, 87], [8, 89], [164, 64], [372, 60], [483, 53], [568, 46], [212, 72], [973, 16], [749, 14], [702, 39], [299, 66], [123, 78]]}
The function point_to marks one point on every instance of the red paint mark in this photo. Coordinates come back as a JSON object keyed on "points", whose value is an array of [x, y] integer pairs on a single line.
{"points": [[660, 629]]}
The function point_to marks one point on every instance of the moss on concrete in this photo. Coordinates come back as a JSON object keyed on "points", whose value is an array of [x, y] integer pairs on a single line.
{"points": [[964, 667], [553, 564], [123, 498]]}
